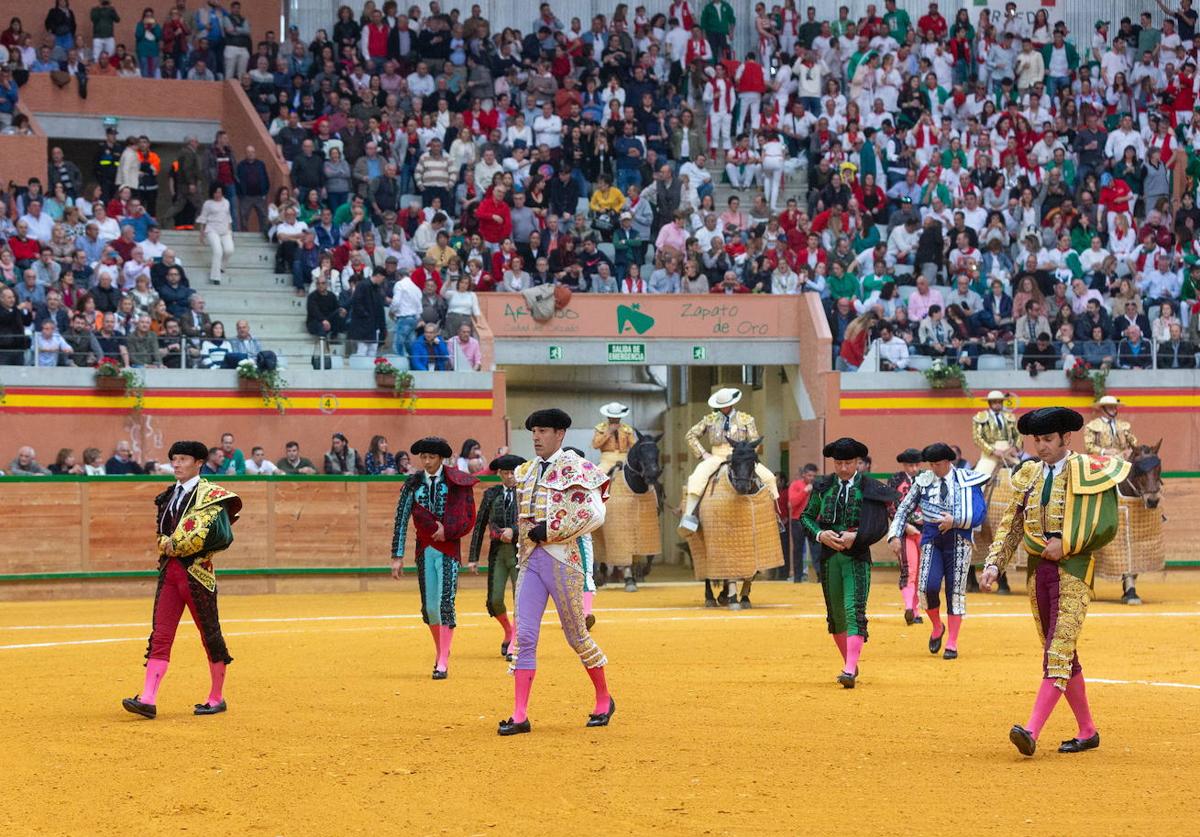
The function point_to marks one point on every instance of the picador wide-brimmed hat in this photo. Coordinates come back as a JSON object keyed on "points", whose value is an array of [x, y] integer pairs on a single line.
{"points": [[723, 398], [996, 395], [908, 456], [1049, 420], [614, 409], [1107, 401]]}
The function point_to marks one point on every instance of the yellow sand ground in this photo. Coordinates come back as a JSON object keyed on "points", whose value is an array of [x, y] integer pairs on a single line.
{"points": [[727, 723]]}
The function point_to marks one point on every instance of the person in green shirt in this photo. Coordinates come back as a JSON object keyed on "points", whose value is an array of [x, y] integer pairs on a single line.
{"points": [[235, 460], [875, 280], [897, 20], [103, 17], [842, 284], [717, 21]]}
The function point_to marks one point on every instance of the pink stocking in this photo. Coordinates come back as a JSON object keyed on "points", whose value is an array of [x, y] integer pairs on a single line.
{"points": [[524, 684], [1077, 698], [840, 639], [854, 646], [955, 624], [1047, 697], [508, 628], [935, 622], [447, 636], [217, 673], [156, 670], [587, 604], [598, 681], [436, 632]]}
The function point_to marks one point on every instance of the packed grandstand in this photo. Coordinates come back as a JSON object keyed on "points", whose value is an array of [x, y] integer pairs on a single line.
{"points": [[990, 189]]}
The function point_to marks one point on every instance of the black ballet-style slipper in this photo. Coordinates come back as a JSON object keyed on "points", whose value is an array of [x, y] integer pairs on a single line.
{"points": [[935, 643], [135, 705], [440, 675], [504, 648], [206, 709], [1023, 740], [847, 679], [1079, 745], [950, 654], [511, 727], [602, 719]]}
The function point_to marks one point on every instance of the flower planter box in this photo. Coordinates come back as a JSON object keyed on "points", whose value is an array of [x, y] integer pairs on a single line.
{"points": [[248, 383], [110, 382], [947, 384], [385, 381], [1082, 385]]}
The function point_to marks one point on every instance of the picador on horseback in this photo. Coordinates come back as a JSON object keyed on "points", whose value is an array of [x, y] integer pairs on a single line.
{"points": [[631, 460], [733, 532]]}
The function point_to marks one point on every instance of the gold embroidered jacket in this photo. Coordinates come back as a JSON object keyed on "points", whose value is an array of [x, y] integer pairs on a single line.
{"points": [[602, 438], [204, 529], [569, 498], [985, 434], [1082, 510], [711, 428], [1098, 437]]}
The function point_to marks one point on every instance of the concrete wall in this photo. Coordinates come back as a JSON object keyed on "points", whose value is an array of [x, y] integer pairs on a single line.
{"points": [[187, 106]]}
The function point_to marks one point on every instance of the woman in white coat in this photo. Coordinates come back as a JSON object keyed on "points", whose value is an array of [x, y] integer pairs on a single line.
{"points": [[128, 168], [215, 223]]}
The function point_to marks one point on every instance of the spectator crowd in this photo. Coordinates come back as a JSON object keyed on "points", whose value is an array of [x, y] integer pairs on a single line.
{"points": [[991, 184], [227, 458]]}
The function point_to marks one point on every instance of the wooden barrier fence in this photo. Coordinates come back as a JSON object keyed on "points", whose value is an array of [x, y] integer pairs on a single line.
{"points": [[68, 537]]}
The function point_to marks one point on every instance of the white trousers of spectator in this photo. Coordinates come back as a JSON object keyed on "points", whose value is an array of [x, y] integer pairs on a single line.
{"points": [[742, 177], [100, 45], [719, 127], [772, 180], [366, 349], [749, 115], [221, 246], [237, 59]]}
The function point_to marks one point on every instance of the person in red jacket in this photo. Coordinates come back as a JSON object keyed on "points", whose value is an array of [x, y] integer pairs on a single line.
{"points": [[494, 216], [750, 83], [441, 502], [932, 22]]}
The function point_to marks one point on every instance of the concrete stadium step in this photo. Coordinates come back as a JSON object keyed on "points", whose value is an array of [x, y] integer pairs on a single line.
{"points": [[251, 300], [277, 324]]}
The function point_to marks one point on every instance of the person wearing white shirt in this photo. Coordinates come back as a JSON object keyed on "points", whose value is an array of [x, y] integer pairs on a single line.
{"points": [[773, 155], [41, 225], [1122, 138], [697, 174], [421, 82], [893, 351], [405, 310], [547, 127], [259, 464]]}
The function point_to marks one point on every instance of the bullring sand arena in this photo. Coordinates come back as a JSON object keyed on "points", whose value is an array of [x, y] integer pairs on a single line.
{"points": [[729, 723]]}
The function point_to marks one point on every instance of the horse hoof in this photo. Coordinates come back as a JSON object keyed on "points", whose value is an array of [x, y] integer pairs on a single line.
{"points": [[746, 604], [710, 602], [631, 587], [735, 605]]}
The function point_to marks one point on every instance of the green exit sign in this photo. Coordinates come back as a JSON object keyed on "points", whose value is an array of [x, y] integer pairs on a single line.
{"points": [[556, 353], [699, 353], [626, 352]]}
